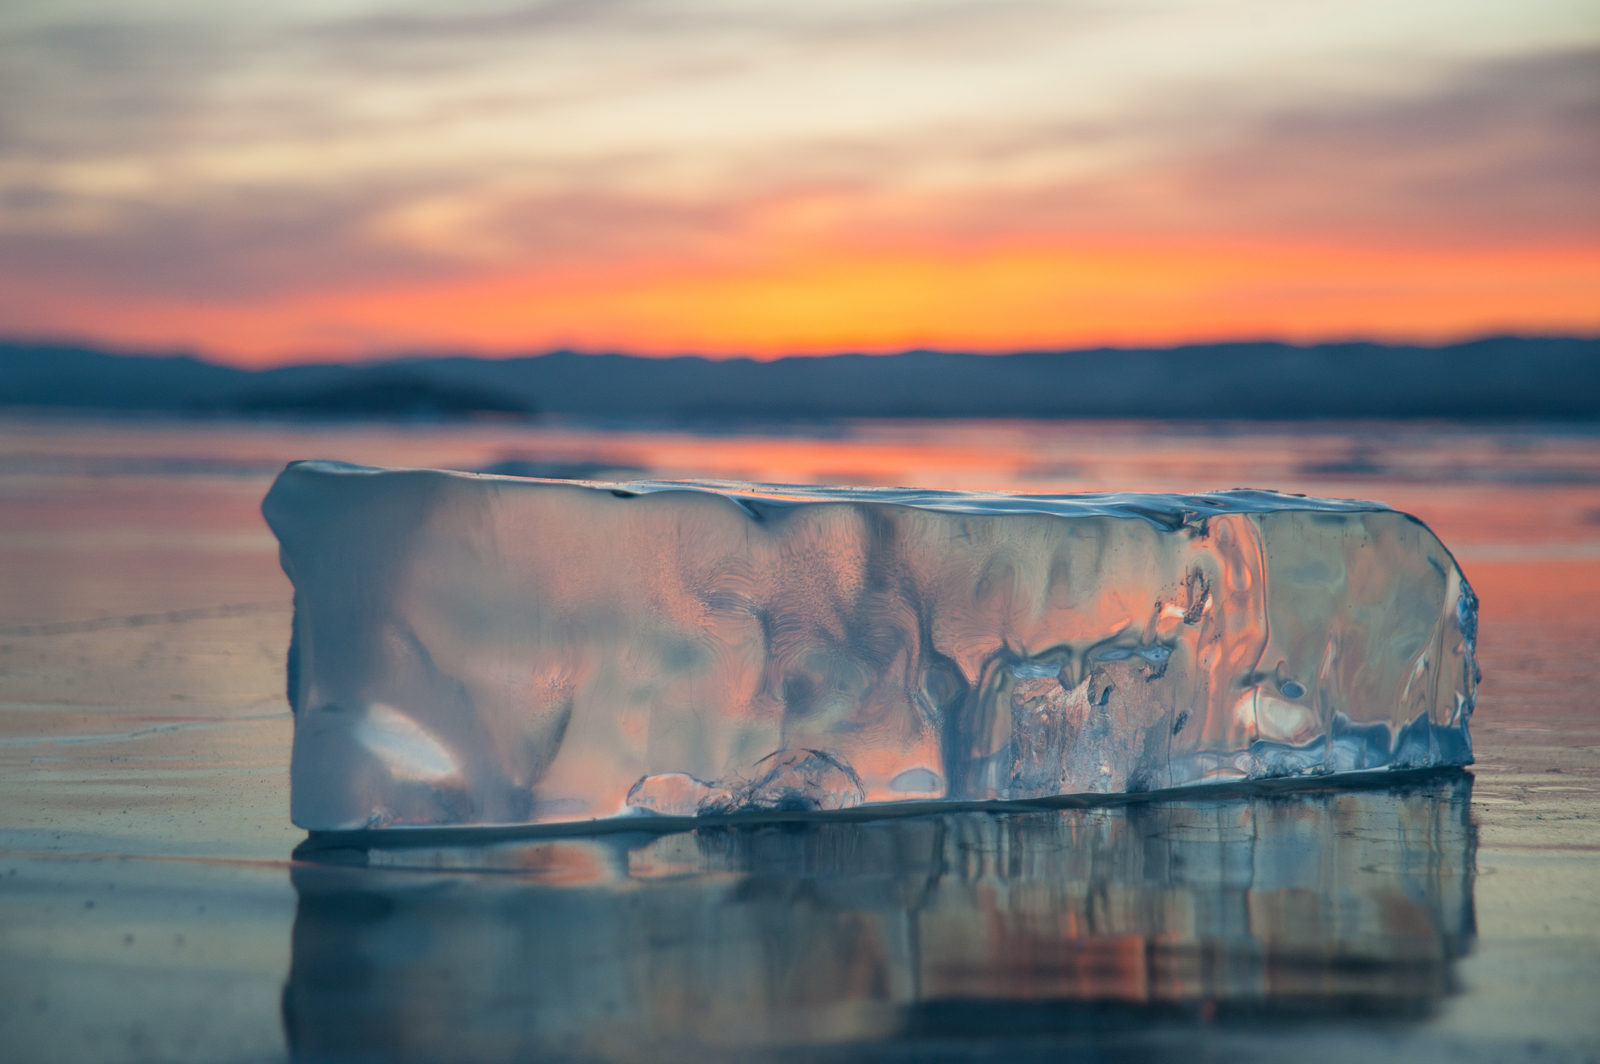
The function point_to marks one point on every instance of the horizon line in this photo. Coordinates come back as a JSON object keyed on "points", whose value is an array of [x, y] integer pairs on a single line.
{"points": [[390, 357]]}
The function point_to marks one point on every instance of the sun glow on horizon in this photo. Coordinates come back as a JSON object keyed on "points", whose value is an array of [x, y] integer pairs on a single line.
{"points": [[1008, 298]]}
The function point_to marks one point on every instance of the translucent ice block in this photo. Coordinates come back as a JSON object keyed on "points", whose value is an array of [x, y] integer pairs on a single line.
{"points": [[472, 649]]}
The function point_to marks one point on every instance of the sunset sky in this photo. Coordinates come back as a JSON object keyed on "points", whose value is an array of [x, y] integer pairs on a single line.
{"points": [[302, 180]]}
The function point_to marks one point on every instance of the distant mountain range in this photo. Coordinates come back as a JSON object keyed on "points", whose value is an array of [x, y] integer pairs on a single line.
{"points": [[1508, 377]]}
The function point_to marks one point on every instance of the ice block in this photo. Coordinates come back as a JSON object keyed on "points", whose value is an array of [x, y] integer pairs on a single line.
{"points": [[476, 650]]}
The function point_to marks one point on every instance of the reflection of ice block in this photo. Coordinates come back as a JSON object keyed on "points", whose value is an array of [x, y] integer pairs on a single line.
{"points": [[934, 937], [492, 650]]}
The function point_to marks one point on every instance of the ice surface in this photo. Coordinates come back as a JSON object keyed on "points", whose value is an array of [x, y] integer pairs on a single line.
{"points": [[473, 649]]}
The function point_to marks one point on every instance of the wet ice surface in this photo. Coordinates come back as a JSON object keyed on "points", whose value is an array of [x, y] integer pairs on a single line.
{"points": [[491, 650], [149, 908]]}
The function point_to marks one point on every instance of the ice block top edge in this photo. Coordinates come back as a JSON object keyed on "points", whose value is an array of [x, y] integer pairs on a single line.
{"points": [[1165, 509], [473, 649]]}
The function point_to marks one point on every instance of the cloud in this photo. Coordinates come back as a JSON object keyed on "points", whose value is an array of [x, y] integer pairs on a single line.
{"points": [[1505, 152], [950, 27], [104, 86], [242, 246]]}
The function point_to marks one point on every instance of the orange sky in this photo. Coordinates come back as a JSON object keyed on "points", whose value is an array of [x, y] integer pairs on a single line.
{"points": [[359, 177], [989, 299]]}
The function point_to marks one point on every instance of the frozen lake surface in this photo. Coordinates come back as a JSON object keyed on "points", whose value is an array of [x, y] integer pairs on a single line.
{"points": [[150, 907]]}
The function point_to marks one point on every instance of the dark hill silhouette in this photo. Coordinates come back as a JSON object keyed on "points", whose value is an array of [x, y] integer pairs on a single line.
{"points": [[385, 394], [1507, 377]]}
